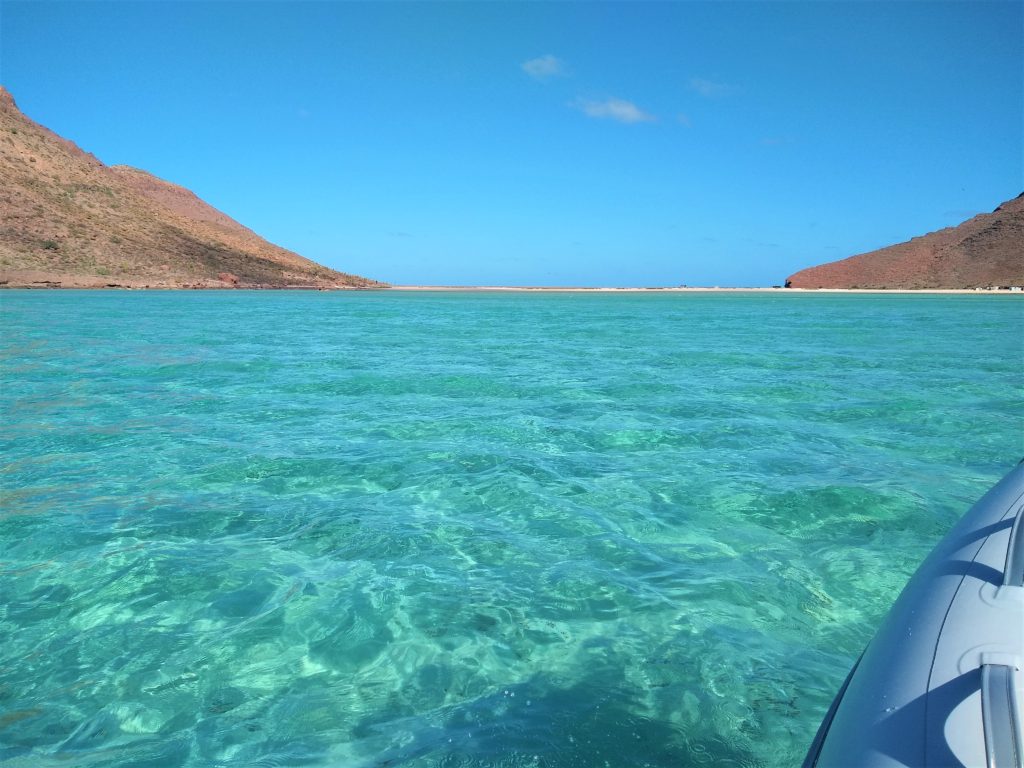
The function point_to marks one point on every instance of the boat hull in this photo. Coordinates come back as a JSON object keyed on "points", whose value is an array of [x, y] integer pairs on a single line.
{"points": [[915, 697]]}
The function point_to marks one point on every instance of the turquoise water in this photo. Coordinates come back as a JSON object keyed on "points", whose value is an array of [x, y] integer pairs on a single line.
{"points": [[369, 529]]}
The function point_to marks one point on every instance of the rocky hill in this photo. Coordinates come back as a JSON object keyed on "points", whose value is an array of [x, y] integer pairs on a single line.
{"points": [[68, 220], [987, 250]]}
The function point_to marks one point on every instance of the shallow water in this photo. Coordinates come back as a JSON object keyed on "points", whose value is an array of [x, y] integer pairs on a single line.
{"points": [[368, 529]]}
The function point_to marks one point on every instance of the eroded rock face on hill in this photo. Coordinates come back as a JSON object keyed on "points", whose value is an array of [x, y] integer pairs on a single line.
{"points": [[68, 220], [987, 250]]}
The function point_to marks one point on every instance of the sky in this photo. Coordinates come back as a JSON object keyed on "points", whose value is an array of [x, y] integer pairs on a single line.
{"points": [[629, 144]]}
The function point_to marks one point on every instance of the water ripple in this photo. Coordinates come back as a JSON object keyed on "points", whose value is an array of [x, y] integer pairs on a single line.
{"points": [[256, 529]]}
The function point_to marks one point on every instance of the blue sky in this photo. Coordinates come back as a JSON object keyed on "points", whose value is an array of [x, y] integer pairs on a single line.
{"points": [[541, 144]]}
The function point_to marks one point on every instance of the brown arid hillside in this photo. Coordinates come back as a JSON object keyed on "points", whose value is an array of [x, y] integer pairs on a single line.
{"points": [[985, 251], [68, 220]]}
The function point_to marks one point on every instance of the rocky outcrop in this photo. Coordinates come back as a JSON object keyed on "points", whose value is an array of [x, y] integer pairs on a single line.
{"points": [[987, 250], [66, 219]]}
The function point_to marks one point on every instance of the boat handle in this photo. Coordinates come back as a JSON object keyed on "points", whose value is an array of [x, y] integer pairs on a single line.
{"points": [[1000, 717], [1013, 571]]}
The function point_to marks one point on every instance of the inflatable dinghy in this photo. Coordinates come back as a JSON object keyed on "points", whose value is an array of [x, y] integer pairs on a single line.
{"points": [[941, 682]]}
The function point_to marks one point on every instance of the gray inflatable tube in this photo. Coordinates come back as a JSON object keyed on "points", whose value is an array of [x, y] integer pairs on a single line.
{"points": [[941, 682]]}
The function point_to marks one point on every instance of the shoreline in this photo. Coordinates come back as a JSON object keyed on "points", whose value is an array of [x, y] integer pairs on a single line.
{"points": [[682, 289], [58, 286]]}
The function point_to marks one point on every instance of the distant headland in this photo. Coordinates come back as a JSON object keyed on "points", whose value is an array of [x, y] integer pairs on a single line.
{"points": [[986, 251], [70, 221]]}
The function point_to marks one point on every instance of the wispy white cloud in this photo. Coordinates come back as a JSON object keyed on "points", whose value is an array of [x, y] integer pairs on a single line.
{"points": [[613, 109], [684, 120], [710, 89], [544, 67]]}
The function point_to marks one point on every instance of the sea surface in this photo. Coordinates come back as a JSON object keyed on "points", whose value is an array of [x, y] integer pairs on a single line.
{"points": [[464, 529]]}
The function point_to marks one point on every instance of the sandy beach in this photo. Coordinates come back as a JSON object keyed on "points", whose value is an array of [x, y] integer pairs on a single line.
{"points": [[679, 289], [49, 281]]}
